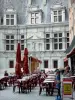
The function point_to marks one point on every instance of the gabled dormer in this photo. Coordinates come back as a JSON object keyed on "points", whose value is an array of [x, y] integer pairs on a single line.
{"points": [[10, 17], [34, 15], [57, 13]]}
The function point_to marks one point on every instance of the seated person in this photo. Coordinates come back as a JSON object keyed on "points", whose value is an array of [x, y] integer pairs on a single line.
{"points": [[5, 73]]}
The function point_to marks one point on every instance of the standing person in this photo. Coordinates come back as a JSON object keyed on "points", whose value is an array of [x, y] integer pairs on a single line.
{"points": [[67, 72], [58, 82]]}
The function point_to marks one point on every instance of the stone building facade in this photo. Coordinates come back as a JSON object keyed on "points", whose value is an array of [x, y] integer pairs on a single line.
{"points": [[40, 25]]}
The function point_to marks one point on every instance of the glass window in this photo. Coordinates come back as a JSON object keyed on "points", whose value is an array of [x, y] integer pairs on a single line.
{"points": [[7, 22], [55, 40], [34, 18], [9, 19], [22, 36], [60, 12], [55, 46], [55, 35], [9, 42], [60, 45], [55, 12], [47, 35], [45, 63], [12, 21], [7, 16], [22, 47], [60, 39], [47, 40], [60, 34], [47, 46], [7, 36], [55, 18], [7, 47], [22, 41], [12, 47], [11, 64], [12, 37], [55, 64], [58, 16], [12, 16], [32, 21]]}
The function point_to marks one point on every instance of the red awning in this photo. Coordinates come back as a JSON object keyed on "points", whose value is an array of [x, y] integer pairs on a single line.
{"points": [[71, 53]]}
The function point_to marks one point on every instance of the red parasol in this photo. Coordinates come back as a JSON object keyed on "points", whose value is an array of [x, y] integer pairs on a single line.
{"points": [[25, 59], [18, 61]]}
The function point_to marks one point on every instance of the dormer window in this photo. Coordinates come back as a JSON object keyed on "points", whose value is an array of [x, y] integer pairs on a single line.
{"points": [[58, 16], [57, 13], [10, 17], [34, 18], [35, 15]]}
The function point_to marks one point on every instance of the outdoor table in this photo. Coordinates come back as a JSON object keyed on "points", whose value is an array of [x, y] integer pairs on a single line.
{"points": [[48, 81], [50, 77]]}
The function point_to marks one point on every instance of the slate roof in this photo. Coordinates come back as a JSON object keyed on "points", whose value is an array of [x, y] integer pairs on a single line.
{"points": [[21, 7]]}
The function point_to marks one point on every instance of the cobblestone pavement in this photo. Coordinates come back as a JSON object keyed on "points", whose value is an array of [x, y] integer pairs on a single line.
{"points": [[8, 94]]}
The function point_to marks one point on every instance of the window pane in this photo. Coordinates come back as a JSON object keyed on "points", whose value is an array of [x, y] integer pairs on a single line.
{"points": [[7, 47], [37, 15], [55, 35], [22, 47], [7, 41], [32, 21], [12, 37], [55, 18], [11, 64], [67, 34], [55, 46], [47, 35], [36, 20], [12, 47], [22, 41], [67, 39], [12, 41], [55, 64], [47, 46], [60, 34], [12, 21], [67, 45], [7, 21], [55, 12], [12, 16], [47, 40], [60, 40], [22, 36], [59, 18], [46, 64], [60, 12], [7, 16], [7, 36], [60, 45], [32, 15], [55, 40]]}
